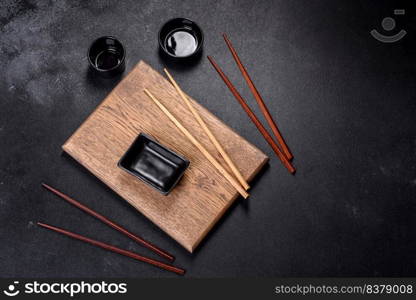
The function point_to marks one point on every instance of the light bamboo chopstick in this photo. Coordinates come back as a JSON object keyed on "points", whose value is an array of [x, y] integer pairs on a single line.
{"points": [[211, 136], [201, 148]]}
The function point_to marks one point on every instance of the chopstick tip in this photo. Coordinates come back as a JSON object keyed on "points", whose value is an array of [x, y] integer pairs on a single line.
{"points": [[291, 168], [46, 186]]}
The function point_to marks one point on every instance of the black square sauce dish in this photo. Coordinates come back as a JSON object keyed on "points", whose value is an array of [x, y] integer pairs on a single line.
{"points": [[154, 163]]}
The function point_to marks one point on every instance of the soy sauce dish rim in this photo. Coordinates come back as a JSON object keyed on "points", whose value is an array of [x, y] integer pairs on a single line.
{"points": [[200, 41], [93, 65], [150, 138]]}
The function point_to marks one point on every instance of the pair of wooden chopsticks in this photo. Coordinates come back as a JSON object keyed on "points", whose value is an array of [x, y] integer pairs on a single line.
{"points": [[117, 227], [241, 185], [283, 151]]}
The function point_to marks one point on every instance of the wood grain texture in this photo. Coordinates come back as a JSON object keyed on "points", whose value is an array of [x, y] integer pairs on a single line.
{"points": [[209, 133], [203, 194], [200, 147]]}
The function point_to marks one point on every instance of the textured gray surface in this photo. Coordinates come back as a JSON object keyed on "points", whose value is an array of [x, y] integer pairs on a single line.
{"points": [[344, 102]]}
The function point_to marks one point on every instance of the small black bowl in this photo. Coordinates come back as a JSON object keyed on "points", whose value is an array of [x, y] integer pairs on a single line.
{"points": [[154, 164], [106, 56], [181, 39]]}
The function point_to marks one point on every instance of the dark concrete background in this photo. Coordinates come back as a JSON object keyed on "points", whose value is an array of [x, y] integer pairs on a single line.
{"points": [[344, 101]]}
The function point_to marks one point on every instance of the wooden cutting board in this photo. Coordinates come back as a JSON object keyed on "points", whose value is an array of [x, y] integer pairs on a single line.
{"points": [[203, 194]]}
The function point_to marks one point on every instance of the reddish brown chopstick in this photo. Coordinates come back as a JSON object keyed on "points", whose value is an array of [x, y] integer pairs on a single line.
{"points": [[110, 223], [253, 117], [259, 100], [115, 249]]}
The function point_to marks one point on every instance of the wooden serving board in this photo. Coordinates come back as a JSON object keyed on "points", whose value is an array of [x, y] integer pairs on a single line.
{"points": [[203, 194]]}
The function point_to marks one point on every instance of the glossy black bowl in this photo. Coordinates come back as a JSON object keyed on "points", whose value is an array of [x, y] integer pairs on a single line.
{"points": [[181, 39], [106, 56], [153, 163]]}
